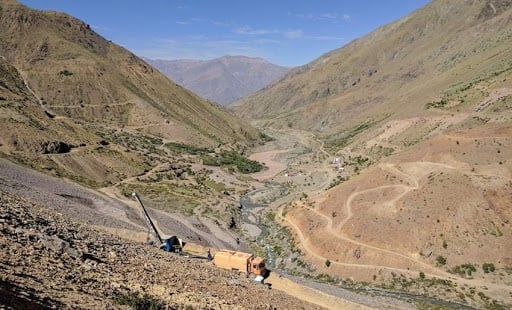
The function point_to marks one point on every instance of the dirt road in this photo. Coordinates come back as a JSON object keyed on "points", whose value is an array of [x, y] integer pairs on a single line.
{"points": [[390, 196], [312, 295], [111, 212], [324, 295]]}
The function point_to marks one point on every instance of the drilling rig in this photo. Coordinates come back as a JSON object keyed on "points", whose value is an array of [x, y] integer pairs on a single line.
{"points": [[171, 244], [222, 258]]}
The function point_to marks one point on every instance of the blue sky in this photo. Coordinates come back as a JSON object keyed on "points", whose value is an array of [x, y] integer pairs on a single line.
{"points": [[285, 32]]}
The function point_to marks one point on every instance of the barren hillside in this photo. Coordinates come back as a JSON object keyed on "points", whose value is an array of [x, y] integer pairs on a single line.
{"points": [[442, 51], [78, 74], [78, 106], [387, 169], [73, 73], [400, 155], [49, 261]]}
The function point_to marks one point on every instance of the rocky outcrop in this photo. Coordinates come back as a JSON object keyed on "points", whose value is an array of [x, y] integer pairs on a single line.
{"points": [[55, 147]]}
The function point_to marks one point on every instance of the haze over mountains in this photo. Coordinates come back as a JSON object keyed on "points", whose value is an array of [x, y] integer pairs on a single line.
{"points": [[222, 80]]}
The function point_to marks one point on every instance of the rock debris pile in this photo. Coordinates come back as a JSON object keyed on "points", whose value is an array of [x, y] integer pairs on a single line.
{"points": [[49, 261]]}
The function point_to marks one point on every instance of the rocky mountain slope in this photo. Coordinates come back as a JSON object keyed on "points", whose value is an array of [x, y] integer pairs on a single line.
{"points": [[65, 89], [223, 79], [49, 261], [57, 56], [441, 51], [78, 107], [413, 126]]}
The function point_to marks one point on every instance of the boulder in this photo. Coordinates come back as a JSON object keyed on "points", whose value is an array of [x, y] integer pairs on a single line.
{"points": [[55, 147]]}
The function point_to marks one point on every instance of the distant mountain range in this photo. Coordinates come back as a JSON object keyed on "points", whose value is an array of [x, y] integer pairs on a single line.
{"points": [[223, 79], [397, 149]]}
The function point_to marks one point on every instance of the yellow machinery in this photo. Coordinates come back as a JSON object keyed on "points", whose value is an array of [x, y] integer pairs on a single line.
{"points": [[227, 259], [244, 262]]}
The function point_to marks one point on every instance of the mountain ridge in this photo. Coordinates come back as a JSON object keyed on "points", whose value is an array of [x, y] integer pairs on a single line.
{"points": [[63, 84], [75, 52], [222, 79], [341, 75], [413, 125]]}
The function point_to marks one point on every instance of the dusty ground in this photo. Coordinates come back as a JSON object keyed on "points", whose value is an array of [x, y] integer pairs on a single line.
{"points": [[446, 198], [367, 227], [49, 261], [274, 167], [119, 216]]}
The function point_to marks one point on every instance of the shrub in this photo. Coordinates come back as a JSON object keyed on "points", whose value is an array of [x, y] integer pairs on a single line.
{"points": [[327, 263], [464, 269], [337, 181], [488, 267], [325, 278], [233, 159], [441, 260], [436, 104], [266, 138], [65, 72], [138, 302], [180, 148]]}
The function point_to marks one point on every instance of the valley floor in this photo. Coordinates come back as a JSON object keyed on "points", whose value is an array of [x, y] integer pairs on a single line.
{"points": [[44, 197], [359, 233], [372, 229]]}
